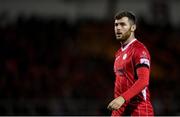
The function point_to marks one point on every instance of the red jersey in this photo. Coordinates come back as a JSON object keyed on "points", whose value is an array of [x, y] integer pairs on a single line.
{"points": [[127, 61]]}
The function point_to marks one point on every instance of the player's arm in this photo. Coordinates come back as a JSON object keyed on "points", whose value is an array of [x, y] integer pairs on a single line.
{"points": [[139, 85], [142, 66]]}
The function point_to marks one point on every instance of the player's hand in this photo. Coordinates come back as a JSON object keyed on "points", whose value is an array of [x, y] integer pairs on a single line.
{"points": [[116, 103]]}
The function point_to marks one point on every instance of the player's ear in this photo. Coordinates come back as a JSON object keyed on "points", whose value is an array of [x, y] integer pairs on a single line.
{"points": [[133, 27]]}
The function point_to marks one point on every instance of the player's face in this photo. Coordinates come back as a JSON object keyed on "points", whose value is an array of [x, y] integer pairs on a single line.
{"points": [[122, 29]]}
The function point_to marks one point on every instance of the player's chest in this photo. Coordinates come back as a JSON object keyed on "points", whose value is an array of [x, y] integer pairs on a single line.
{"points": [[123, 60]]}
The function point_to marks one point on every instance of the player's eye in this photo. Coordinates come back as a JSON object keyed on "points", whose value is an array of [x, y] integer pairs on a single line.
{"points": [[122, 24], [116, 24]]}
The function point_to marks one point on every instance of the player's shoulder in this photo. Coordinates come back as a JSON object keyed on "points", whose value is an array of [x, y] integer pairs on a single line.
{"points": [[139, 46], [140, 49], [117, 52]]}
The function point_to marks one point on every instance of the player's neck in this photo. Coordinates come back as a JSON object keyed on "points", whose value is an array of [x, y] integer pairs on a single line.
{"points": [[131, 38]]}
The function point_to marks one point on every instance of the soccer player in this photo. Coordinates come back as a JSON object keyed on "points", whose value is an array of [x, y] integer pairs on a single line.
{"points": [[132, 70]]}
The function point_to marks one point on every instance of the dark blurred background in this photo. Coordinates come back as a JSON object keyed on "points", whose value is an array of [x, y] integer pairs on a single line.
{"points": [[56, 56]]}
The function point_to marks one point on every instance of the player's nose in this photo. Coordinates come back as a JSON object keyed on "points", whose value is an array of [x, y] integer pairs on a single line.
{"points": [[118, 27], [118, 31]]}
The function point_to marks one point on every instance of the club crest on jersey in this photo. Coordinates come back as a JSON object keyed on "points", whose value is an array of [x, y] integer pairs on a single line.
{"points": [[124, 56]]}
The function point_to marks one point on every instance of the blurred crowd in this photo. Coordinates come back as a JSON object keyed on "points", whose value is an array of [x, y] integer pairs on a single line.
{"points": [[49, 66]]}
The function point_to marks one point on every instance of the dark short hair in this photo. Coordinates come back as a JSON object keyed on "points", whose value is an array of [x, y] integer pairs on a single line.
{"points": [[131, 16]]}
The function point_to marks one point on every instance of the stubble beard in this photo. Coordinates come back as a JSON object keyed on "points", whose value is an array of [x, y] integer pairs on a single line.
{"points": [[125, 36]]}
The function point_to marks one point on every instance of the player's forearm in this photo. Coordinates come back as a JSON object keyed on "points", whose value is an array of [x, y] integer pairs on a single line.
{"points": [[139, 85]]}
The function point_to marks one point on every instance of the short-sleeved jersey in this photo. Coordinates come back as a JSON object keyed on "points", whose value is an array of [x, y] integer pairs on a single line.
{"points": [[127, 60]]}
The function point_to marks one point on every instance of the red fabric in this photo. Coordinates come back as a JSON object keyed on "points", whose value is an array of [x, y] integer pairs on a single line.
{"points": [[132, 69], [125, 66], [139, 85], [142, 109]]}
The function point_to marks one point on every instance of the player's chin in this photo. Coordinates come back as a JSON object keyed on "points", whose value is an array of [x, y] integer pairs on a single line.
{"points": [[118, 38]]}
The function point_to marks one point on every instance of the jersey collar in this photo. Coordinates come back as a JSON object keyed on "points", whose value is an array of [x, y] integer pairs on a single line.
{"points": [[125, 47]]}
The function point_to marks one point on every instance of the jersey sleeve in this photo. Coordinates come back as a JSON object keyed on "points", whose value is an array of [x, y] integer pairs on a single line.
{"points": [[142, 65], [141, 58], [139, 85]]}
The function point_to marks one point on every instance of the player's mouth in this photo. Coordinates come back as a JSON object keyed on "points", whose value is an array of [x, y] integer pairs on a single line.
{"points": [[118, 33]]}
